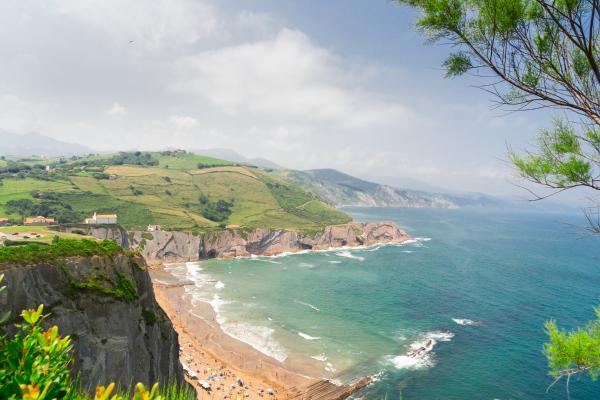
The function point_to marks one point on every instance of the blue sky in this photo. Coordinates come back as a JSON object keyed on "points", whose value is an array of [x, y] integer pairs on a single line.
{"points": [[308, 84]]}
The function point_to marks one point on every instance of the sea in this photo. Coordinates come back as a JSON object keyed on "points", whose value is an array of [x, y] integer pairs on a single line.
{"points": [[456, 313]]}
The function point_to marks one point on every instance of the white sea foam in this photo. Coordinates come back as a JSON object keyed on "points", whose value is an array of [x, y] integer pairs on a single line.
{"points": [[407, 251], [306, 265], [420, 354], [329, 367], [348, 254], [307, 305], [320, 357], [422, 239], [335, 262], [377, 247], [308, 337], [465, 322], [259, 337], [219, 285], [409, 241]]}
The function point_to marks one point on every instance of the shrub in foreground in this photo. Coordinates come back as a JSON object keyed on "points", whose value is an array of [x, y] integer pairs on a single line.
{"points": [[35, 365]]}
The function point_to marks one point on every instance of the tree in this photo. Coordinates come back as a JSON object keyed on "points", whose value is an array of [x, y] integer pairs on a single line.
{"points": [[541, 54]]}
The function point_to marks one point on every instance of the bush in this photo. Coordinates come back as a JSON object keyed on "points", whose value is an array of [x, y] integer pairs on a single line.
{"points": [[34, 365]]}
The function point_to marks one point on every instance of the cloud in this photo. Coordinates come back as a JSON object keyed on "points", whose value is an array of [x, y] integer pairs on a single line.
{"points": [[153, 26], [287, 76], [183, 122], [117, 110]]}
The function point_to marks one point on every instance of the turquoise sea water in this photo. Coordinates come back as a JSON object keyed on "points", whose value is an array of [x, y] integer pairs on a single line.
{"points": [[353, 312]]}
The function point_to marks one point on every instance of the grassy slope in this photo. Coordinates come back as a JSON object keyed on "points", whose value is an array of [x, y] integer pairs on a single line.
{"points": [[168, 195]]}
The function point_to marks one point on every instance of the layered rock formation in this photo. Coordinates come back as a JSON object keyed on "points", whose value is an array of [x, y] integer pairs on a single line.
{"points": [[159, 247], [165, 246], [107, 306]]}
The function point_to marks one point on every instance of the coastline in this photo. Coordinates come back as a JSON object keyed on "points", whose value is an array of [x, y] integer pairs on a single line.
{"points": [[212, 355], [208, 351]]}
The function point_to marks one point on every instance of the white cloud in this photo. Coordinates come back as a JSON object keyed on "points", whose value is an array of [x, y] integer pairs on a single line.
{"points": [[152, 25], [183, 121], [287, 76], [117, 110]]}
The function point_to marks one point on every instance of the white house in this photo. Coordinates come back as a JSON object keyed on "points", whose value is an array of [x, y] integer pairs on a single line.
{"points": [[102, 219], [153, 228]]}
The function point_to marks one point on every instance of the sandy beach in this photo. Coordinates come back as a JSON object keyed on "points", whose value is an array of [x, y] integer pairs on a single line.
{"points": [[218, 358]]}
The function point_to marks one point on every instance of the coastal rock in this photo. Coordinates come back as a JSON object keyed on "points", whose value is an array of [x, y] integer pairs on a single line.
{"points": [[122, 340], [165, 246]]}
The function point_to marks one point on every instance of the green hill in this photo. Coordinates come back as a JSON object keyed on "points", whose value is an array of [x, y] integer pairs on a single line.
{"points": [[175, 189]]}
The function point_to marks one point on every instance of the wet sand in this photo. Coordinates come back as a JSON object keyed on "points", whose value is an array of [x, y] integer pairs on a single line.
{"points": [[217, 357]]}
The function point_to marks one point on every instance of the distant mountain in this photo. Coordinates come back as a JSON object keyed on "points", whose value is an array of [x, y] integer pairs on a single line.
{"points": [[341, 189], [234, 156], [29, 144]]}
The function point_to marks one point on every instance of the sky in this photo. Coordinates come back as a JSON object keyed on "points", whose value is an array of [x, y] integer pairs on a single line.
{"points": [[345, 84]]}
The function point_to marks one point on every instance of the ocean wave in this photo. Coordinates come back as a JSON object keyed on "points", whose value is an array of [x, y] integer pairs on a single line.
{"points": [[466, 322], [422, 239], [320, 357], [335, 262], [219, 285], [258, 337], [348, 254], [329, 367], [306, 265], [420, 354], [307, 336], [407, 251], [307, 305]]}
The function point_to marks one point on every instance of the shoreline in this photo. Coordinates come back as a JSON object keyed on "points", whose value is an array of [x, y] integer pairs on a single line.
{"points": [[215, 356], [206, 349], [404, 240]]}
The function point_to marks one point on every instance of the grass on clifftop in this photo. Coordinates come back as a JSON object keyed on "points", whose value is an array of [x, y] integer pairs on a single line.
{"points": [[35, 253]]}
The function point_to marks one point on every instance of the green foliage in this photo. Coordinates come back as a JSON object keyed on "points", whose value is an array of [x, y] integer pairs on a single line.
{"points": [[34, 253], [217, 211], [46, 204], [563, 159], [547, 52], [574, 352], [4, 316], [147, 236], [457, 64], [133, 158], [35, 363], [123, 289], [149, 316]]}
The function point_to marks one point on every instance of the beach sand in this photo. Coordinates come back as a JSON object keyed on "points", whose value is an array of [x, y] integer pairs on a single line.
{"points": [[217, 357]]}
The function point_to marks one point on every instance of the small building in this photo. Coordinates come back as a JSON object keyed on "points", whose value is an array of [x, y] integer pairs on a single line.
{"points": [[153, 228], [3, 221], [98, 219], [112, 177], [38, 221]]}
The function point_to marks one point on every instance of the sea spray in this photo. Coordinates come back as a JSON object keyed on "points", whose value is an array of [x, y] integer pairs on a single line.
{"points": [[420, 354]]}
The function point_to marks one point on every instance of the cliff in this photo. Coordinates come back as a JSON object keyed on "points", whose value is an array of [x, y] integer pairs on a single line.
{"points": [[107, 305], [159, 247]]}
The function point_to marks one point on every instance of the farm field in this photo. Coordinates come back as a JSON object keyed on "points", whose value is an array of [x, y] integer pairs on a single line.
{"points": [[179, 192]]}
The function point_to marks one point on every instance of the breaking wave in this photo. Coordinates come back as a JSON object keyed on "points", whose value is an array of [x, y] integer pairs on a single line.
{"points": [[308, 337], [307, 305], [420, 354], [466, 322], [348, 254]]}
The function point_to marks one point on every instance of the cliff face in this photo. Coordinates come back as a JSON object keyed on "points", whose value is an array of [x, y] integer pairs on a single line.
{"points": [[107, 306], [164, 246]]}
